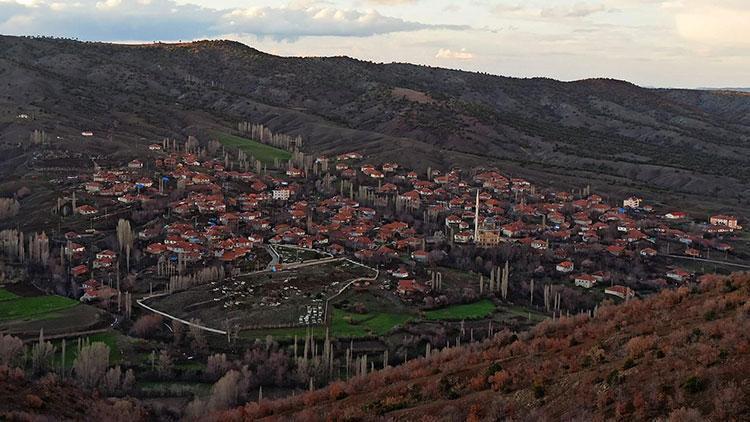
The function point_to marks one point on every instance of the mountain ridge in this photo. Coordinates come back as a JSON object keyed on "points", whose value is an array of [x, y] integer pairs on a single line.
{"points": [[612, 134]]}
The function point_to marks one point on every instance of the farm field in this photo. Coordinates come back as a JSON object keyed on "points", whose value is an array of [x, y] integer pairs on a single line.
{"points": [[477, 310], [265, 300], [38, 307], [25, 316], [265, 153], [347, 324]]}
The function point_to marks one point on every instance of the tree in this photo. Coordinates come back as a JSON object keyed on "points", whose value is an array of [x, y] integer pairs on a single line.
{"points": [[112, 381], [165, 364], [91, 364], [125, 238], [11, 349], [42, 354], [146, 325]]}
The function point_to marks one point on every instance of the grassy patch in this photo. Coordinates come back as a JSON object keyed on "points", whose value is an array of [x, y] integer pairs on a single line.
{"points": [[6, 295], [175, 388], [346, 324], [519, 311], [477, 310], [39, 307], [262, 152], [110, 338]]}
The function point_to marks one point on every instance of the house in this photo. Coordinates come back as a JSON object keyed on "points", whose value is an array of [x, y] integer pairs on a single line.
{"points": [[87, 210], [156, 248], [281, 194], [585, 280], [678, 274], [648, 252], [632, 202], [540, 244], [462, 237], [135, 164], [695, 253], [620, 291], [154, 147], [676, 215], [420, 256], [616, 250], [725, 220], [565, 267], [401, 272], [87, 133], [635, 236], [79, 270], [107, 253], [406, 287]]}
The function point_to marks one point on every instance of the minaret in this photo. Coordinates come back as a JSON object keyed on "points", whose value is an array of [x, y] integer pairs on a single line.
{"points": [[476, 219]]}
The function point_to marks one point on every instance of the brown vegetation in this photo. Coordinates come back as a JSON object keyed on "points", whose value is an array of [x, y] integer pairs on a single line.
{"points": [[679, 355]]}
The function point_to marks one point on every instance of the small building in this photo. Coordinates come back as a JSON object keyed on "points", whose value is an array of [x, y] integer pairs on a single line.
{"points": [[632, 202], [565, 267], [725, 220], [586, 281], [282, 194], [620, 291]]}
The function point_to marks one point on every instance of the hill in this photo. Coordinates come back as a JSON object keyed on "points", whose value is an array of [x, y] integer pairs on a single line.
{"points": [[688, 146], [682, 354]]}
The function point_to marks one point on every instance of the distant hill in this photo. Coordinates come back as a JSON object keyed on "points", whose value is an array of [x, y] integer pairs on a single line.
{"points": [[681, 355], [690, 146]]}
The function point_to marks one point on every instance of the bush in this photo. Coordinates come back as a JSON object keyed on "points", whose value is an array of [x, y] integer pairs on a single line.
{"points": [[694, 385]]}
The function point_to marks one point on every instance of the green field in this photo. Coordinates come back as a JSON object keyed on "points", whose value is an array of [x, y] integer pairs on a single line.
{"points": [[176, 388], [110, 338], [347, 324], [6, 295], [265, 153], [39, 307], [481, 309]]}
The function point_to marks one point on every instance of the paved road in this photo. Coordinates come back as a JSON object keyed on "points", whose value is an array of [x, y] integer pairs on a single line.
{"points": [[711, 261]]}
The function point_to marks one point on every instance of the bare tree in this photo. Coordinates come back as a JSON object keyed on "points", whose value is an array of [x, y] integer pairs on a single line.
{"points": [[91, 364], [125, 238], [42, 354], [11, 349]]}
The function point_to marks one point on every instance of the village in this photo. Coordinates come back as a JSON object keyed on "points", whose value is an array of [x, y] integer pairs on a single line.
{"points": [[211, 211], [239, 250]]}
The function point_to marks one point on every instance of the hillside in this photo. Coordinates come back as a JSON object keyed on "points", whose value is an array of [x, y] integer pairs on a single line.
{"points": [[618, 137], [682, 354]]}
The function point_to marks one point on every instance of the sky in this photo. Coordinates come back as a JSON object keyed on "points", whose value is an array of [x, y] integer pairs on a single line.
{"points": [[661, 43]]}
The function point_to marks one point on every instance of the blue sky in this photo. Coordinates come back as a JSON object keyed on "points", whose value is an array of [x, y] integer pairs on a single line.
{"points": [[675, 43]]}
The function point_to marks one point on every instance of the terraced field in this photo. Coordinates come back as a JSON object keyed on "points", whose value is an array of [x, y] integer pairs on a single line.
{"points": [[265, 153]]}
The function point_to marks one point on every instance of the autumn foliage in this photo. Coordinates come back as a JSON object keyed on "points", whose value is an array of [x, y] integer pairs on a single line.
{"points": [[680, 355]]}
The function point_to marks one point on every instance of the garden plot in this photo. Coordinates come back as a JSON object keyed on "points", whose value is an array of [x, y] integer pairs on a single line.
{"points": [[264, 300]]}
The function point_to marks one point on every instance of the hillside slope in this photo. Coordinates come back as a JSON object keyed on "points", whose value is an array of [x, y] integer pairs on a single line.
{"points": [[681, 354], [609, 133]]}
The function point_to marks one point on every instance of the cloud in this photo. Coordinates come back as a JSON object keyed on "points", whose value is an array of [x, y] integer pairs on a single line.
{"points": [[147, 20], [577, 10], [714, 26], [448, 54]]}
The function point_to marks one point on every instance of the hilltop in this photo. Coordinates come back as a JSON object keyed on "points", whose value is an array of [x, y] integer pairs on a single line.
{"points": [[681, 354], [684, 145]]}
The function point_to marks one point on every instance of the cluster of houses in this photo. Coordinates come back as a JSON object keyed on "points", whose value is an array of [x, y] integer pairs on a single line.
{"points": [[217, 213]]}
